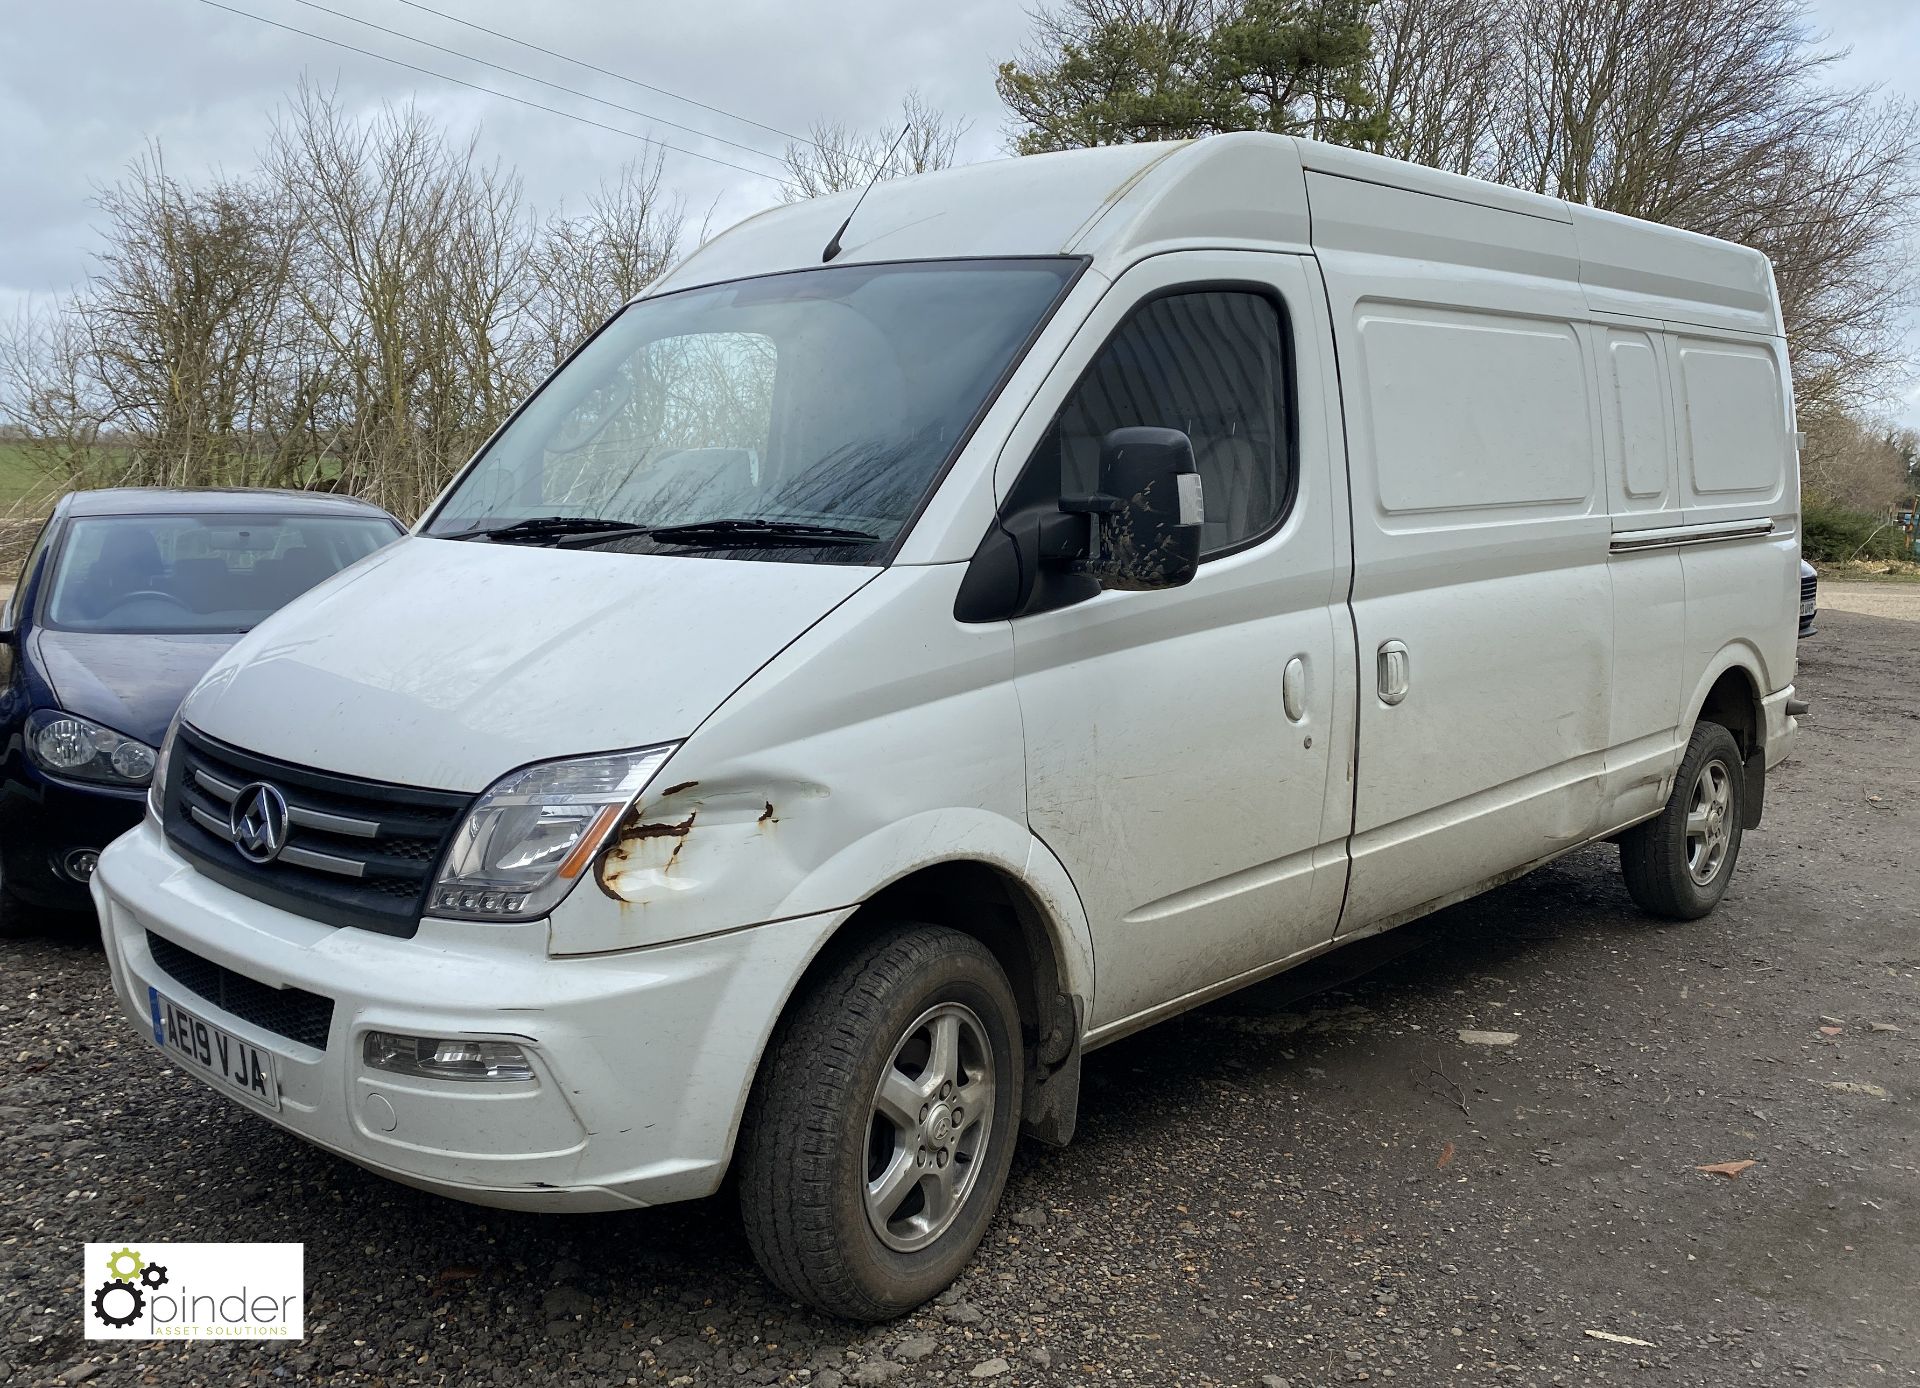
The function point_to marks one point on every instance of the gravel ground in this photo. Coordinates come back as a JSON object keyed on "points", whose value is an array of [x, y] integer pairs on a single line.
{"points": [[1898, 600], [1313, 1182]]}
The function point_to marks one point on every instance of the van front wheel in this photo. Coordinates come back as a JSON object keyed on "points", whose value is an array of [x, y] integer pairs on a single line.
{"points": [[1678, 864], [883, 1124]]}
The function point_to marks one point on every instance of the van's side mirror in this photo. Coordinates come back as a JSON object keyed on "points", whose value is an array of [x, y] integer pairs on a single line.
{"points": [[1140, 530], [1147, 512]]}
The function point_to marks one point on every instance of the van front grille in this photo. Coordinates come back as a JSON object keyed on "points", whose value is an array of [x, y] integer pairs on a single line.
{"points": [[1809, 587], [290, 1012], [356, 852]]}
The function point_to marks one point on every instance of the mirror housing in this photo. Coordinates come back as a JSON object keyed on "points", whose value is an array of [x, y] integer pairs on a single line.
{"points": [[1140, 531], [1147, 513]]}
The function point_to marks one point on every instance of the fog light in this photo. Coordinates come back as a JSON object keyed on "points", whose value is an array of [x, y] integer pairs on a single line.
{"points": [[433, 1058], [80, 863]]}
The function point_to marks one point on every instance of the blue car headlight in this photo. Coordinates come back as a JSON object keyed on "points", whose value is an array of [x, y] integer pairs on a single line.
{"points": [[64, 744]]}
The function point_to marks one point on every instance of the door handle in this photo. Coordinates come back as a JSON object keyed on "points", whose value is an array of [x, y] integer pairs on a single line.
{"points": [[1396, 671], [1293, 690]]}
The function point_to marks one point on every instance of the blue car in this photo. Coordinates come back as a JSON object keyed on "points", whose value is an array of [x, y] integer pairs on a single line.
{"points": [[125, 600]]}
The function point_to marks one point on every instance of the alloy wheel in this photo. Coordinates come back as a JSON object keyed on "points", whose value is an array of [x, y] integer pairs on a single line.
{"points": [[932, 1117], [1709, 822]]}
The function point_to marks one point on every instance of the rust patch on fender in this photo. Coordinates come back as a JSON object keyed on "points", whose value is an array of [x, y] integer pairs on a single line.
{"points": [[767, 815], [675, 790], [632, 833], [613, 858]]}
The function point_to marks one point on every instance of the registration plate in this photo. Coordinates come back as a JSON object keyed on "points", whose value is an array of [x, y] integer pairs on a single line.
{"points": [[222, 1058]]}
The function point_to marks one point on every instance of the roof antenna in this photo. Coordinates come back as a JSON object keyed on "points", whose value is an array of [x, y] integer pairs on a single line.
{"points": [[833, 246]]}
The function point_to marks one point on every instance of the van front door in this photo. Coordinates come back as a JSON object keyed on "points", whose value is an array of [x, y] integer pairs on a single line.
{"points": [[1179, 743]]}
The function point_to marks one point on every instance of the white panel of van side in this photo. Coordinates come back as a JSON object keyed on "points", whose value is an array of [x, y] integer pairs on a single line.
{"points": [[1736, 439], [1637, 422], [1161, 769], [1358, 166], [1647, 271], [1425, 365], [1649, 632], [1500, 592], [1313, 333], [1743, 600], [1649, 593], [1739, 477]]}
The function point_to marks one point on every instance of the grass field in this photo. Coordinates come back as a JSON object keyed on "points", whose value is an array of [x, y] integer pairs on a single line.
{"points": [[22, 484]]}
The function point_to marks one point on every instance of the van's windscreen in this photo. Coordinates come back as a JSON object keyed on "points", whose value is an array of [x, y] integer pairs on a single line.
{"points": [[797, 416]]}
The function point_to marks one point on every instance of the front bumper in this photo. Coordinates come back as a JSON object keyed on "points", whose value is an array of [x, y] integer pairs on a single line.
{"points": [[44, 823], [642, 1059]]}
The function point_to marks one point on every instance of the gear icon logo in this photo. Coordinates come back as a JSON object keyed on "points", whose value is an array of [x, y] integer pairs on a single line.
{"points": [[123, 1294], [121, 1298]]}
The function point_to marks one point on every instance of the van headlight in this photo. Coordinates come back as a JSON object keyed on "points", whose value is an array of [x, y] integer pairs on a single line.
{"points": [[157, 792], [530, 836], [82, 750]]}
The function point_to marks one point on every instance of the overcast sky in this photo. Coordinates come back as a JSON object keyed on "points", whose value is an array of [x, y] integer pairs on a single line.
{"points": [[88, 82]]}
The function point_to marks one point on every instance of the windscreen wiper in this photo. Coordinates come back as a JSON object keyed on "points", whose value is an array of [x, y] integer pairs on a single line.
{"points": [[536, 529], [746, 533]]}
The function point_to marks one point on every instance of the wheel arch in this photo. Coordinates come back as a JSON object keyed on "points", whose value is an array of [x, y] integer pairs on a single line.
{"points": [[1025, 911], [1729, 693]]}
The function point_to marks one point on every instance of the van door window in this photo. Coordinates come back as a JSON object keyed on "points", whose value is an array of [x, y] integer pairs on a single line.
{"points": [[1210, 363]]}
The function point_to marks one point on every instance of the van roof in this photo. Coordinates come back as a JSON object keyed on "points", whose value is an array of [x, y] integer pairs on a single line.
{"points": [[1119, 203]]}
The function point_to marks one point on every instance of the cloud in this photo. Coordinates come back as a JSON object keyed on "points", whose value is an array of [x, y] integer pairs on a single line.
{"points": [[108, 77]]}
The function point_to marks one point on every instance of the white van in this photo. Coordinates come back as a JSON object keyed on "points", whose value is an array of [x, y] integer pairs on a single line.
{"points": [[895, 657]]}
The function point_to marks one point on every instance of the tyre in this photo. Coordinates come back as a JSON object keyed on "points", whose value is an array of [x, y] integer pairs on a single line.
{"points": [[882, 1125], [1678, 864]]}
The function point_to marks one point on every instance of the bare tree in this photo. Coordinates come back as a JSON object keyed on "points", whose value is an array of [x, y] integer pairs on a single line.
{"points": [[49, 405], [835, 158], [586, 267], [1838, 213], [1856, 463], [1716, 116], [412, 262], [177, 325], [357, 314], [1437, 72]]}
